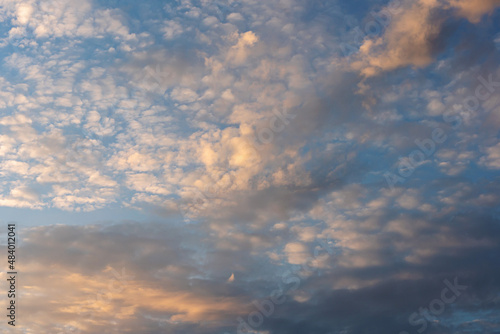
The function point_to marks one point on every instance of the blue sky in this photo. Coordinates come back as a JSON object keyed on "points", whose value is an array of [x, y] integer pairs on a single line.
{"points": [[175, 165]]}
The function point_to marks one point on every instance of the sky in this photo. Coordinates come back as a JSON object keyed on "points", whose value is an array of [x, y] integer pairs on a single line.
{"points": [[257, 167]]}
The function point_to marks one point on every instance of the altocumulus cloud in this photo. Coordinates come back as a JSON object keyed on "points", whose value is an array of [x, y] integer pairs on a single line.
{"points": [[248, 141]]}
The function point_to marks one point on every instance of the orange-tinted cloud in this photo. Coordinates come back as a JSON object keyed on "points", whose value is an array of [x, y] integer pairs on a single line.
{"points": [[413, 35]]}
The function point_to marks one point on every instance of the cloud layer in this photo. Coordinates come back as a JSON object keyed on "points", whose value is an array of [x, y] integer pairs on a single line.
{"points": [[303, 166]]}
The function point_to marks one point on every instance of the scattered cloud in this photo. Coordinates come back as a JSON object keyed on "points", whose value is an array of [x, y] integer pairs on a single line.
{"points": [[256, 156]]}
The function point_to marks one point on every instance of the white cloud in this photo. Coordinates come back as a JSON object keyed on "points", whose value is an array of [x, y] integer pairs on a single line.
{"points": [[24, 12], [147, 183], [239, 53], [184, 95], [492, 158], [297, 253], [172, 29]]}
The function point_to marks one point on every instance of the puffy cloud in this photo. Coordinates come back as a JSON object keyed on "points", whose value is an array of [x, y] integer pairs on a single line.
{"points": [[415, 34], [22, 196], [184, 95], [172, 29], [24, 12], [474, 10], [146, 183], [261, 154], [297, 253], [239, 53], [492, 158]]}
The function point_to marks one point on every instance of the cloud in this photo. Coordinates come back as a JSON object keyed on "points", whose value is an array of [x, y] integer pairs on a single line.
{"points": [[153, 276], [415, 34], [184, 95], [24, 12], [474, 10], [86, 292], [172, 29], [239, 53], [297, 253], [492, 158], [261, 156]]}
